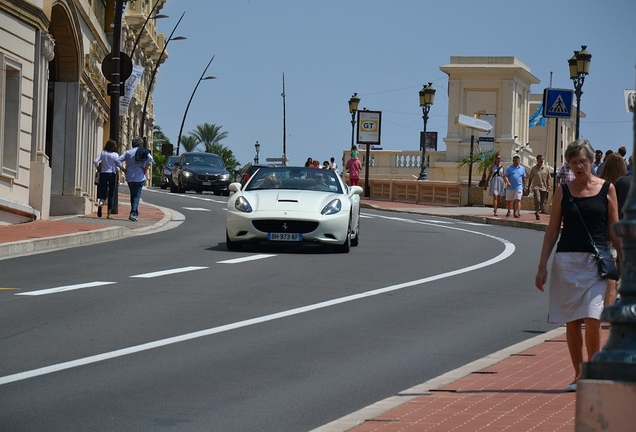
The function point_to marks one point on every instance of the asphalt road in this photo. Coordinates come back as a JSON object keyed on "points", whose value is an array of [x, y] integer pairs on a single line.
{"points": [[170, 331]]}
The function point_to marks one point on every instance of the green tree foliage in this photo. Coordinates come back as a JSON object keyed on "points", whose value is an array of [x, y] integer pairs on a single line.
{"points": [[189, 143], [210, 136], [158, 139], [483, 159]]}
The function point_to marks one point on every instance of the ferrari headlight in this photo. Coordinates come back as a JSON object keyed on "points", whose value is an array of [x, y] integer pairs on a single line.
{"points": [[332, 208], [241, 204]]}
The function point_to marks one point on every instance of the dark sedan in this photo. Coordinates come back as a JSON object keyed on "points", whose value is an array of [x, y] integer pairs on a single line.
{"points": [[166, 172], [200, 172]]}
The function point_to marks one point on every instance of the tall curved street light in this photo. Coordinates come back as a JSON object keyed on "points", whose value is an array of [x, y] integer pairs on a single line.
{"points": [[201, 78], [142, 125], [427, 97], [579, 68], [354, 101]]}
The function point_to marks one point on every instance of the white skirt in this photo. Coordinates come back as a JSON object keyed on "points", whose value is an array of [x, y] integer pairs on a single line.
{"points": [[576, 289]]}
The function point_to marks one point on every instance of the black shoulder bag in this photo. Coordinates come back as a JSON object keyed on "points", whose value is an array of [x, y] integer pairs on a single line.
{"points": [[602, 254]]}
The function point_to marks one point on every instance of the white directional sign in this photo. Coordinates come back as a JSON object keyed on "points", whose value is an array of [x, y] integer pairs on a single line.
{"points": [[472, 123]]}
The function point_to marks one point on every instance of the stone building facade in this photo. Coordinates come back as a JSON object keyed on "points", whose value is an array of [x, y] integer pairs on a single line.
{"points": [[54, 102]]}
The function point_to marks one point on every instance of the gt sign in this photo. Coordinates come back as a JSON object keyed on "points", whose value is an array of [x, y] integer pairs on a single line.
{"points": [[369, 123]]}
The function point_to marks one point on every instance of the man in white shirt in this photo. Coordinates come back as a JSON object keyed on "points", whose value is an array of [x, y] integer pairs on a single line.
{"points": [[138, 160]]}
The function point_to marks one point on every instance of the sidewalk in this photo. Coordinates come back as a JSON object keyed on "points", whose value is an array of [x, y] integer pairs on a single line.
{"points": [[517, 389], [18, 239]]}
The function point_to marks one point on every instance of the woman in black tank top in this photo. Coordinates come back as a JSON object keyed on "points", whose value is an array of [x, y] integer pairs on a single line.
{"points": [[576, 289]]}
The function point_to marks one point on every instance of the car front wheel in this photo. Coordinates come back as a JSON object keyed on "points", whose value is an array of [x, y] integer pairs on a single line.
{"points": [[231, 245]]}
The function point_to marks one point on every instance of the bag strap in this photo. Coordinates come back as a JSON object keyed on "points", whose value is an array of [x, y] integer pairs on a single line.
{"points": [[566, 190]]}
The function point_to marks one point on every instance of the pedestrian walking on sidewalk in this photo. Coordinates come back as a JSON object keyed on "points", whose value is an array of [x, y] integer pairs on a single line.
{"points": [[496, 182], [539, 185], [138, 161], [613, 169], [515, 179], [576, 289], [353, 167], [107, 164]]}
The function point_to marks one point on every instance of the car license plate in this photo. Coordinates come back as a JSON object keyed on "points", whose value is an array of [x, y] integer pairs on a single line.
{"points": [[206, 183], [284, 237]]}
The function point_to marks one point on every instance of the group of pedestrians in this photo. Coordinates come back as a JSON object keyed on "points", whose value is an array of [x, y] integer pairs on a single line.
{"points": [[592, 189], [513, 183], [135, 163], [352, 167]]}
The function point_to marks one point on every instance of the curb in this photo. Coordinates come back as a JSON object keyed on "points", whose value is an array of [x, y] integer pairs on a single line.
{"points": [[468, 218], [65, 241]]}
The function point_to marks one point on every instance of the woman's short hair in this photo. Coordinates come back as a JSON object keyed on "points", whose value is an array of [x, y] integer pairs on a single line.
{"points": [[581, 145], [111, 146]]}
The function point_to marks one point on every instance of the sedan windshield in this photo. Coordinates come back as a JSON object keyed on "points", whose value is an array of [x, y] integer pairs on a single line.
{"points": [[295, 178], [204, 160]]}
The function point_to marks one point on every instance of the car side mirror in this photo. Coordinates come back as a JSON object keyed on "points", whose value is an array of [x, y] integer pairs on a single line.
{"points": [[234, 187], [355, 190]]}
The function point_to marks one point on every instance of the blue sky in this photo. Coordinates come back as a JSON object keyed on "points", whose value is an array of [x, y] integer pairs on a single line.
{"points": [[385, 51]]}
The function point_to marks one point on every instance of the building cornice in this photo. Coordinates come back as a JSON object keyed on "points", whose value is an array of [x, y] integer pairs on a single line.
{"points": [[26, 12]]}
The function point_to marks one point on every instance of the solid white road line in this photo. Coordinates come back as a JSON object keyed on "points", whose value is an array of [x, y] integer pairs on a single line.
{"points": [[64, 288], [245, 259], [196, 209], [509, 249], [168, 272]]}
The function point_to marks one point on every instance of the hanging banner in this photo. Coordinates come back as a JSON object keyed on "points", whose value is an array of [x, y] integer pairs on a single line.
{"points": [[129, 89]]}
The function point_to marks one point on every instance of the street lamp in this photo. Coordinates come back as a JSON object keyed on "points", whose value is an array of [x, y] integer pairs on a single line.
{"points": [[354, 101], [142, 125], [257, 146], [202, 78], [579, 67], [427, 97]]}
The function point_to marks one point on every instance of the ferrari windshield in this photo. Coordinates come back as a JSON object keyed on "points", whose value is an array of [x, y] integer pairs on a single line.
{"points": [[295, 178]]}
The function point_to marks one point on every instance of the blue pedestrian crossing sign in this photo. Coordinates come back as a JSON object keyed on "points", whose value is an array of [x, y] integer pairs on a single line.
{"points": [[557, 103]]}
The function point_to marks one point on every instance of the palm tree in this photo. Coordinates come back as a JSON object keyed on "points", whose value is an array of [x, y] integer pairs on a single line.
{"points": [[209, 135], [483, 159], [189, 142]]}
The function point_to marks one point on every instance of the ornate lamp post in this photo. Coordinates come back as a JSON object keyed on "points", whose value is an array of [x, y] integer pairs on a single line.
{"points": [[142, 123], [201, 78], [354, 101], [427, 97], [257, 147], [579, 67]]}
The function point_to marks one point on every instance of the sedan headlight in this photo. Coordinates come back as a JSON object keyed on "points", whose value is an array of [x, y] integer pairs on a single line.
{"points": [[242, 205], [224, 177], [332, 208], [186, 173]]}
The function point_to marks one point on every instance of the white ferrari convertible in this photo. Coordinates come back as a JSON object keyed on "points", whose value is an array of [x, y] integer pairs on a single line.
{"points": [[294, 204]]}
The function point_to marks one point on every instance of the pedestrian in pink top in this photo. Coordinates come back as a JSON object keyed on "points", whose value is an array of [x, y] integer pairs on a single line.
{"points": [[353, 167]]}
